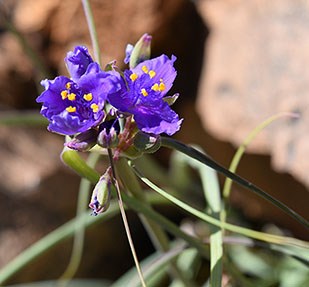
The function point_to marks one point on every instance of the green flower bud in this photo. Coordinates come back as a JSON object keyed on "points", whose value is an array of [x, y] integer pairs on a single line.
{"points": [[141, 51], [101, 194]]}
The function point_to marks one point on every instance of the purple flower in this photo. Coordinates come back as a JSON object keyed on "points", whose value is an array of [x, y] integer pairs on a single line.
{"points": [[142, 94], [75, 105]]}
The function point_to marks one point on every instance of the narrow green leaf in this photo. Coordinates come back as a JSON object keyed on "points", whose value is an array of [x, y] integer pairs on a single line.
{"points": [[22, 118], [51, 240], [151, 266], [241, 150], [233, 228], [174, 144], [71, 283], [211, 190]]}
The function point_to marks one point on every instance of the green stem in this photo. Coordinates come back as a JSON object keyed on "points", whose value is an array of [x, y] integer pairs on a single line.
{"points": [[75, 162], [128, 178], [92, 31], [158, 237], [174, 144], [169, 226], [83, 198], [125, 220], [29, 51]]}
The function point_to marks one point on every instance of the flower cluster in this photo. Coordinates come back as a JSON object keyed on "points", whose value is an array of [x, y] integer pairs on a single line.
{"points": [[124, 110], [92, 96]]}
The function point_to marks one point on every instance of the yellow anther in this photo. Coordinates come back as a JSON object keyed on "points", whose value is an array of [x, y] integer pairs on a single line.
{"points": [[94, 107], [152, 73], [133, 77], [144, 92], [68, 85], [64, 94], [88, 97], [155, 87], [161, 87], [71, 109], [71, 96], [145, 69]]}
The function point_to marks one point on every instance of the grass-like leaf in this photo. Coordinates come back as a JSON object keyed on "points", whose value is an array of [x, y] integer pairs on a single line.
{"points": [[270, 238], [211, 190], [190, 151]]}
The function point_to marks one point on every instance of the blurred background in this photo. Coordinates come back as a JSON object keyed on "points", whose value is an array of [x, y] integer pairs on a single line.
{"points": [[239, 62]]}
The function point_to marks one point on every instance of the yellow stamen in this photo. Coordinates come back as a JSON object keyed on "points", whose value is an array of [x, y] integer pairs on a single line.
{"points": [[88, 97], [145, 69], [152, 73], [71, 109], [155, 87], [133, 77], [71, 96], [144, 92], [94, 107], [64, 94], [161, 87], [68, 85]]}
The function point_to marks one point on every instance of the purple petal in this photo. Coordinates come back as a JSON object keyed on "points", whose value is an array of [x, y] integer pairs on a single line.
{"points": [[67, 124], [78, 61], [51, 97], [157, 120], [98, 83], [129, 50], [164, 69]]}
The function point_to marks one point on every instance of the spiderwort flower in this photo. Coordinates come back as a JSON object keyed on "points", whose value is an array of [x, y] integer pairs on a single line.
{"points": [[75, 105], [142, 94]]}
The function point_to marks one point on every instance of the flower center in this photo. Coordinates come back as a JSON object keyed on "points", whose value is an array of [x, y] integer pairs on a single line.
{"points": [[82, 101]]}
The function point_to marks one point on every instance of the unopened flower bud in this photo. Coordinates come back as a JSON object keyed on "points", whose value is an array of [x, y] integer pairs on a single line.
{"points": [[101, 194], [108, 135], [140, 52], [146, 142], [83, 141]]}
